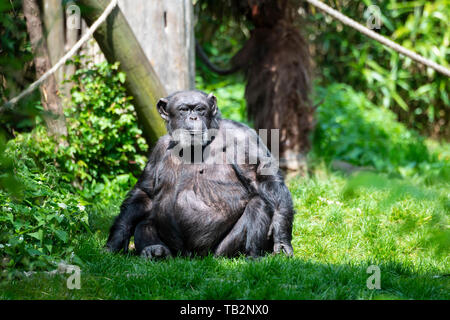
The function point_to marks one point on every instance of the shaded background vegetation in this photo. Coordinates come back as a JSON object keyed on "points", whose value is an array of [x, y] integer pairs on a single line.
{"points": [[418, 95]]}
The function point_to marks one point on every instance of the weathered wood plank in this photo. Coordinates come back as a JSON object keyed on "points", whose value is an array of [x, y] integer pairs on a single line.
{"points": [[118, 42], [165, 30]]}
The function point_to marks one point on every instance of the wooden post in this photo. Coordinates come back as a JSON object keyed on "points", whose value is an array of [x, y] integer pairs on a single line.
{"points": [[165, 30], [54, 118], [118, 43], [72, 35], [53, 18]]}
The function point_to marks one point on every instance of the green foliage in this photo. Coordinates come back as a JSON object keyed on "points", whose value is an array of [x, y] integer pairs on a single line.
{"points": [[45, 189], [104, 137], [41, 214], [15, 50], [16, 71], [418, 95], [221, 39], [230, 97], [351, 128], [8, 181], [40, 218]]}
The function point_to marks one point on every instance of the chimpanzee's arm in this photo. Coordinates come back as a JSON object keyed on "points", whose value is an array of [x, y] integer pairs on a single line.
{"points": [[137, 203], [271, 188]]}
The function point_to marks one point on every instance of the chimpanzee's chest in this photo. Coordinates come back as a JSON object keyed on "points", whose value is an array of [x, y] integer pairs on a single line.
{"points": [[210, 188], [203, 203]]}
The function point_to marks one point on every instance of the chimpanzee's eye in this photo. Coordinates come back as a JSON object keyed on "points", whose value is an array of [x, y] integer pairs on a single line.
{"points": [[184, 108], [200, 108]]}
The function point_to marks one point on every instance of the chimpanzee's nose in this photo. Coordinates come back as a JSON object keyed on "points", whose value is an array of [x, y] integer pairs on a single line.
{"points": [[192, 117]]}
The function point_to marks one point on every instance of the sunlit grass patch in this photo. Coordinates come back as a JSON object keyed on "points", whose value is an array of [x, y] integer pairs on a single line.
{"points": [[336, 237]]}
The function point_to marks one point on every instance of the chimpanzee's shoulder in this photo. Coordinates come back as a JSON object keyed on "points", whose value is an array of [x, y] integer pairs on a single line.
{"points": [[164, 140], [234, 131], [231, 124], [161, 145]]}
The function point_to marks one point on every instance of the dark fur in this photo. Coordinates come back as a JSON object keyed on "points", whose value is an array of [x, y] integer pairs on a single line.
{"points": [[227, 209]]}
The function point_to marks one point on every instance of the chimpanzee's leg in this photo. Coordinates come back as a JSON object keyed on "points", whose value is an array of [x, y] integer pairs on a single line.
{"points": [[132, 211], [249, 234], [147, 242]]}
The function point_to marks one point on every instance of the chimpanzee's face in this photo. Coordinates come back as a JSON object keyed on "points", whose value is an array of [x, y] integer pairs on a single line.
{"points": [[192, 112]]}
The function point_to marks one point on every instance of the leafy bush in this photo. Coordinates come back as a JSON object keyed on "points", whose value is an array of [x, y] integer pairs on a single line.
{"points": [[16, 69], [104, 137], [40, 218], [351, 128], [418, 95], [15, 52], [46, 189]]}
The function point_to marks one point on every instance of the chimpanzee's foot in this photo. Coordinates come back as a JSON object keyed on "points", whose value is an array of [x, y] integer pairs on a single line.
{"points": [[285, 248], [156, 251]]}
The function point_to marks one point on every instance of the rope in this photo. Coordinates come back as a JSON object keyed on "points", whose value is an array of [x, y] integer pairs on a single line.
{"points": [[66, 57], [371, 34], [335, 14]]}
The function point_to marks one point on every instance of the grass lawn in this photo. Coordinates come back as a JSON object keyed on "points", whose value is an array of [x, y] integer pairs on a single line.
{"points": [[342, 226]]}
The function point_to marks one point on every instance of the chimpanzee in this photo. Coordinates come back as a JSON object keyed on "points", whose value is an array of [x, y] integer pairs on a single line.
{"points": [[210, 186]]}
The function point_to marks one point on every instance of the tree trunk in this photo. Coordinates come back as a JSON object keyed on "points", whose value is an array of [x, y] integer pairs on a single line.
{"points": [[52, 16], [118, 43], [165, 30], [53, 116], [90, 52], [72, 36], [277, 64]]}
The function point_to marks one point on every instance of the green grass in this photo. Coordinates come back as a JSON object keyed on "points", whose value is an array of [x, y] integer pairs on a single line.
{"points": [[342, 226]]}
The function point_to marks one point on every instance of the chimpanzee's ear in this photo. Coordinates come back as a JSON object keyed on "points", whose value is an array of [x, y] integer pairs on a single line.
{"points": [[213, 103], [161, 106]]}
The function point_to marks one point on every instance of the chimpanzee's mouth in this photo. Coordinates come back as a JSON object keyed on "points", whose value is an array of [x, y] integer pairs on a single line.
{"points": [[195, 132]]}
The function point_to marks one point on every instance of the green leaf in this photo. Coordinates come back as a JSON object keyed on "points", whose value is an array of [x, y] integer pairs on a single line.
{"points": [[62, 235], [34, 252], [122, 77], [399, 100], [38, 235]]}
